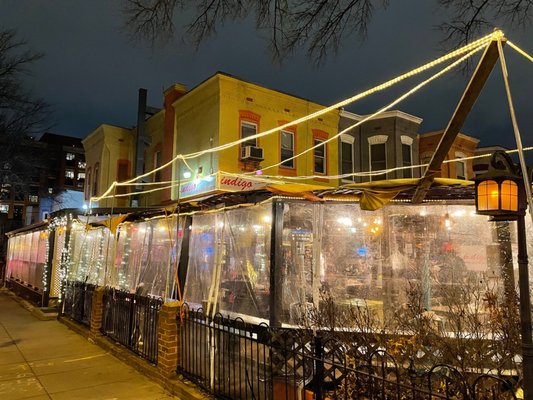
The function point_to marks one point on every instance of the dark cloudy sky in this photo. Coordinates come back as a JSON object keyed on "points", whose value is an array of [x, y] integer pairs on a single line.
{"points": [[91, 70]]}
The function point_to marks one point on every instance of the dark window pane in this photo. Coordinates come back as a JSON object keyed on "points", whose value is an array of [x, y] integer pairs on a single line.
{"points": [[248, 129], [407, 160], [320, 157], [320, 150], [157, 164], [378, 160], [287, 149], [123, 170], [347, 158], [461, 170]]}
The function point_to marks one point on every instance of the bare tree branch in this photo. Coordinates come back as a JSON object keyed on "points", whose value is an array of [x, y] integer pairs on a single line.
{"points": [[317, 26], [21, 113]]}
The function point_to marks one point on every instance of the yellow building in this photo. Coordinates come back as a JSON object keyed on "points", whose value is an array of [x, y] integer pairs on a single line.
{"points": [[220, 110], [109, 153], [223, 109]]}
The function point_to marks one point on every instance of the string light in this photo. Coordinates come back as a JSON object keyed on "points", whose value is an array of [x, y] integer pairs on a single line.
{"points": [[480, 43], [383, 171], [280, 179], [382, 110], [520, 51]]}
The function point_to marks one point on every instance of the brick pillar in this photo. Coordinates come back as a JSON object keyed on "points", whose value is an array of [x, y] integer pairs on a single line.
{"points": [[168, 338], [97, 312]]}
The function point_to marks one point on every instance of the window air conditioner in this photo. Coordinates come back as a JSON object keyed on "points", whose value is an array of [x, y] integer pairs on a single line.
{"points": [[251, 153]]}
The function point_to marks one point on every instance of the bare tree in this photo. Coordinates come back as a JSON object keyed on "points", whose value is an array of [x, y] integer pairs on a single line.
{"points": [[319, 26], [22, 115]]}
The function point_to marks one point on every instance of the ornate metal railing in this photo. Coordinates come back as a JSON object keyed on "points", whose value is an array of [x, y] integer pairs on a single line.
{"points": [[77, 303], [236, 360], [131, 320]]}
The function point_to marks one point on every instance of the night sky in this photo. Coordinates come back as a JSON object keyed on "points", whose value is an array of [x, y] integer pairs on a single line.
{"points": [[91, 70]]}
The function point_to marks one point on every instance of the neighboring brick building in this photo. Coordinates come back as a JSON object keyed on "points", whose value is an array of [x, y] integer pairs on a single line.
{"points": [[44, 175], [463, 146], [54, 171]]}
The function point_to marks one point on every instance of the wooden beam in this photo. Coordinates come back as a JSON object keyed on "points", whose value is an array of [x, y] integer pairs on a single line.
{"points": [[470, 95]]}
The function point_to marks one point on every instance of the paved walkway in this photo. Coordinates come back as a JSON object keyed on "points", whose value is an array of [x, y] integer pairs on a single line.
{"points": [[45, 360]]}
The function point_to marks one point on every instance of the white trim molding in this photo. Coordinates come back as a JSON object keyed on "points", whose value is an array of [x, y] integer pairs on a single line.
{"points": [[377, 139], [347, 138], [408, 140]]}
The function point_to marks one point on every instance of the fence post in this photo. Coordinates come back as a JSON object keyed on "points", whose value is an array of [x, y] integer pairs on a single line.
{"points": [[97, 312], [168, 338], [319, 367]]}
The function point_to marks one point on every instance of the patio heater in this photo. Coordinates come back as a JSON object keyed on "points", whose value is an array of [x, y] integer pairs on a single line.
{"points": [[500, 194]]}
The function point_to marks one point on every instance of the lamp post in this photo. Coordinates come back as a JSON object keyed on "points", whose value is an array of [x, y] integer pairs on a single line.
{"points": [[500, 194]]}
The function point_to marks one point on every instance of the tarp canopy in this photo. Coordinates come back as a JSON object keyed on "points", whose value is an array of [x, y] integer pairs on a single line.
{"points": [[371, 195]]}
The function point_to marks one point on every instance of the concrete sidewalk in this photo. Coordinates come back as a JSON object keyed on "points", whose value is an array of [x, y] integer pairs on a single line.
{"points": [[46, 360]]}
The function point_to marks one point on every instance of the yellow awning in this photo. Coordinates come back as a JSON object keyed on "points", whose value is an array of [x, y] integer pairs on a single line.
{"points": [[372, 195], [112, 223]]}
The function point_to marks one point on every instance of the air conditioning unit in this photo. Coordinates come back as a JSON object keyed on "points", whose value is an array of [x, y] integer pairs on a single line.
{"points": [[251, 153]]}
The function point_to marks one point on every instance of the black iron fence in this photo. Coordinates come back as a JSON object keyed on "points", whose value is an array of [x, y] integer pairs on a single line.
{"points": [[131, 320], [235, 360], [77, 301]]}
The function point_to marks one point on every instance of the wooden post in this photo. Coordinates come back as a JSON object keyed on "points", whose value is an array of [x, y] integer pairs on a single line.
{"points": [[470, 95]]}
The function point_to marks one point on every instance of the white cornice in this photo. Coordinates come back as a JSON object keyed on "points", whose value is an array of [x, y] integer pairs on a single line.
{"points": [[396, 114]]}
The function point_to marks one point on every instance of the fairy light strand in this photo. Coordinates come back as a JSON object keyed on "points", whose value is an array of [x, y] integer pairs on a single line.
{"points": [[382, 110], [520, 51], [484, 41], [277, 179]]}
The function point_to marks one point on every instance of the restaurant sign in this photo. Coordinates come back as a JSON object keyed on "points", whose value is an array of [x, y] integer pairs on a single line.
{"points": [[222, 182]]}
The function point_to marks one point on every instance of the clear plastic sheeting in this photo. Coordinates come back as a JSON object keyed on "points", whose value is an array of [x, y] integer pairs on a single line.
{"points": [[229, 262], [300, 250], [90, 254], [200, 270], [146, 256], [26, 258], [372, 259]]}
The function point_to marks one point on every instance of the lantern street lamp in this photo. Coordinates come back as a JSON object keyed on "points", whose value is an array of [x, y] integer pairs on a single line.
{"points": [[500, 194]]}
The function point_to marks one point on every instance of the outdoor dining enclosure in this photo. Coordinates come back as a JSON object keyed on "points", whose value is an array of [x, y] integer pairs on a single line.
{"points": [[282, 294]]}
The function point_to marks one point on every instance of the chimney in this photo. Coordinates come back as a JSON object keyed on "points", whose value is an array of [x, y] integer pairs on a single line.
{"points": [[171, 94]]}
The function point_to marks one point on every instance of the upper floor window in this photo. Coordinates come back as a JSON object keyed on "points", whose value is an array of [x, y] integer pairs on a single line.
{"points": [[123, 172], [81, 164], [460, 167], [347, 156], [81, 175], [248, 129], [287, 149], [157, 164], [378, 156], [319, 156], [70, 156], [320, 162], [407, 155], [69, 174], [87, 191], [95, 179], [249, 126]]}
